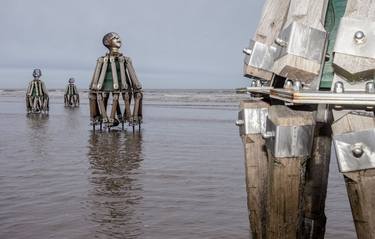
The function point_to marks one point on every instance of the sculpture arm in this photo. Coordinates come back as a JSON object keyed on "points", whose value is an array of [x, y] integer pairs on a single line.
{"points": [[132, 75]]}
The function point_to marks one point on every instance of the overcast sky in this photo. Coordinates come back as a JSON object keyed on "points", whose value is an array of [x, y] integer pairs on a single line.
{"points": [[173, 43]]}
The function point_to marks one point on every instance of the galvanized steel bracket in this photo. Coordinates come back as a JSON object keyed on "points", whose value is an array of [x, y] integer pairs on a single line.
{"points": [[252, 120], [303, 41], [259, 55], [355, 151], [356, 37], [289, 141]]}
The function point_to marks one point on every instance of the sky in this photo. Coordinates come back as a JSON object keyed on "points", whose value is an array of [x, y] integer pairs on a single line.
{"points": [[191, 44]]}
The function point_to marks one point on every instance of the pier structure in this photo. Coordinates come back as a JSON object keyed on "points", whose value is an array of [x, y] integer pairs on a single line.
{"points": [[115, 77], [311, 66]]}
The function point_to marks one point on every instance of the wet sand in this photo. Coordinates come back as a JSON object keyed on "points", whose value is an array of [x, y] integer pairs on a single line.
{"points": [[182, 176]]}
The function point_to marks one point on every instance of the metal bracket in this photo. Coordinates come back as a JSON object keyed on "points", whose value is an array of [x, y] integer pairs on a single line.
{"points": [[259, 55], [301, 40], [355, 151], [252, 120], [289, 141], [356, 37]]}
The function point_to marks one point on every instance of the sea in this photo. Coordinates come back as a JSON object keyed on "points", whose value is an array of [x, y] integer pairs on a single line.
{"points": [[181, 176]]}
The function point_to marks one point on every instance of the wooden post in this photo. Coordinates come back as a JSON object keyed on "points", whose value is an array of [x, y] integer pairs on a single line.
{"points": [[271, 22], [286, 180], [256, 175], [360, 185], [316, 181]]}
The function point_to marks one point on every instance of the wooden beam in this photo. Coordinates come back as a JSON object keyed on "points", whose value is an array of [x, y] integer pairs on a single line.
{"points": [[256, 175], [271, 22], [310, 13], [316, 181], [286, 180]]}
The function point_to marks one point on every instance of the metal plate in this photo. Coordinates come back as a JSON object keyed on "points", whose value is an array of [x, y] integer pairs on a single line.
{"points": [[343, 145], [324, 97], [345, 42], [261, 57], [303, 41], [289, 141], [254, 120]]}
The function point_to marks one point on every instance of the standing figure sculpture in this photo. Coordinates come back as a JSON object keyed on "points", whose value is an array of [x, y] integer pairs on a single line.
{"points": [[71, 96], [115, 76], [37, 100]]}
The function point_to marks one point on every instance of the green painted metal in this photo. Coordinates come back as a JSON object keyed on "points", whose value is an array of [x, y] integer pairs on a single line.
{"points": [[336, 10]]}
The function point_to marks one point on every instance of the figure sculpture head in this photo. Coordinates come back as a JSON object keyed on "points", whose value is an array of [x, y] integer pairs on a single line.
{"points": [[71, 80], [112, 41], [37, 73]]}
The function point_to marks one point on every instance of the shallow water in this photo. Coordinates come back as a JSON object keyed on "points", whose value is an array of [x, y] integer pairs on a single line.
{"points": [[182, 176]]}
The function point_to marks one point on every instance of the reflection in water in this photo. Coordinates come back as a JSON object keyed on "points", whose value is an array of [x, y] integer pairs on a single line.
{"points": [[115, 160], [37, 133]]}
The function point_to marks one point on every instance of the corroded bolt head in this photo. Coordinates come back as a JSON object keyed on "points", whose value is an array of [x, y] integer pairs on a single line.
{"points": [[357, 150], [370, 87], [288, 84], [339, 87], [247, 51]]}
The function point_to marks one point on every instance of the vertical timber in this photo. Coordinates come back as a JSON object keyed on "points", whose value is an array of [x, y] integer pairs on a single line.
{"points": [[256, 174], [360, 185], [286, 181], [316, 181], [271, 22]]}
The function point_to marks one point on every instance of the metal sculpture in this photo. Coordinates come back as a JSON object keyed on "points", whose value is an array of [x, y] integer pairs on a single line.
{"points": [[71, 96], [312, 70], [37, 100], [115, 76]]}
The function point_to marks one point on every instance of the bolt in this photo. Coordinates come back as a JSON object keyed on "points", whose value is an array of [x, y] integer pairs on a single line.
{"points": [[253, 83], [370, 87], [359, 37], [288, 84], [339, 87], [357, 150], [281, 42], [258, 83], [240, 122], [297, 86], [247, 51]]}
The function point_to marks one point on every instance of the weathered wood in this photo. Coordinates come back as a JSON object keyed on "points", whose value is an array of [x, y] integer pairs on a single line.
{"points": [[360, 185], [310, 13], [256, 175], [356, 68], [316, 181], [271, 22], [286, 180]]}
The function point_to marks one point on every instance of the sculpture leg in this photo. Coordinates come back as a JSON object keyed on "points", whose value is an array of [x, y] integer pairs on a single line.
{"points": [[115, 104], [127, 112], [102, 107], [137, 102], [93, 108]]}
